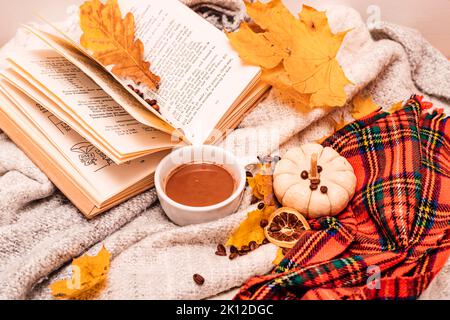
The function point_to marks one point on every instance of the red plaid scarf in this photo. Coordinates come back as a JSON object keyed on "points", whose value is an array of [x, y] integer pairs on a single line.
{"points": [[397, 225]]}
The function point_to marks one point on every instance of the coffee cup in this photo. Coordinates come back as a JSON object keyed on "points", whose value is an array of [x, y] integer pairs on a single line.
{"points": [[182, 214]]}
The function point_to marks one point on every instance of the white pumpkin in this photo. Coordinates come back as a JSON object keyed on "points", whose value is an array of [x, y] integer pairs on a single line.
{"points": [[314, 180]]}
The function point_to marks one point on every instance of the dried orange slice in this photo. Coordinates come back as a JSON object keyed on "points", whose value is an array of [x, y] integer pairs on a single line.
{"points": [[285, 227]]}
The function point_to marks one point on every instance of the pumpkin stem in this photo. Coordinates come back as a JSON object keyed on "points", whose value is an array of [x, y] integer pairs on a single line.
{"points": [[314, 170]]}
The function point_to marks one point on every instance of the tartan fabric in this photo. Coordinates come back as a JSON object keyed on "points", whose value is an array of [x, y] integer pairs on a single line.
{"points": [[397, 224]]}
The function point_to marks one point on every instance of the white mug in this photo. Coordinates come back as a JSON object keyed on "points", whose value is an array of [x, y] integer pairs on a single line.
{"points": [[183, 215]]}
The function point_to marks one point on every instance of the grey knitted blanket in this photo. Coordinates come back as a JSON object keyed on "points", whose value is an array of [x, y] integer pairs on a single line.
{"points": [[41, 232]]}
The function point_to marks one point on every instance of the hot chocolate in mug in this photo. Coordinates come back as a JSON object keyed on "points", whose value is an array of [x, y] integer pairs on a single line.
{"points": [[199, 184]]}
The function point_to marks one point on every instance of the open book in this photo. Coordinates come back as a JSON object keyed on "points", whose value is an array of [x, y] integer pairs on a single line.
{"points": [[99, 134]]}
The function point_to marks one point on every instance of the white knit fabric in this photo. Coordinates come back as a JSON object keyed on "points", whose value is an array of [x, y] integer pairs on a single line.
{"points": [[40, 231]]}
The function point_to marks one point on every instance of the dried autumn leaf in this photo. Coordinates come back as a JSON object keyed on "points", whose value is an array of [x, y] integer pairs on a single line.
{"points": [[313, 67], [281, 78], [267, 57], [250, 229], [363, 106], [262, 184], [111, 38], [262, 188], [279, 257], [300, 53], [314, 20], [87, 274], [395, 107], [337, 124], [322, 140]]}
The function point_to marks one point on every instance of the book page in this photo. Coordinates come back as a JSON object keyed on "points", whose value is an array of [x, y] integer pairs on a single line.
{"points": [[95, 110], [143, 113], [16, 78], [201, 75], [105, 177]]}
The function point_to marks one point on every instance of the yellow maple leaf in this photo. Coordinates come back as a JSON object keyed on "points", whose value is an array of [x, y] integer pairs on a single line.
{"points": [[299, 52], [280, 77], [88, 273], [322, 140], [262, 188], [363, 106], [267, 57], [276, 24], [111, 39], [337, 124], [250, 229], [262, 184], [279, 257], [396, 106], [315, 20]]}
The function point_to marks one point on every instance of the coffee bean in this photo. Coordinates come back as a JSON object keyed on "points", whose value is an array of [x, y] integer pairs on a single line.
{"points": [[233, 255], [131, 87], [313, 186], [221, 249], [253, 245], [315, 181], [151, 103], [304, 175], [319, 169], [137, 91], [261, 206], [275, 228], [242, 253], [198, 279], [264, 223], [141, 95], [245, 248], [156, 107], [249, 174], [323, 189], [233, 249], [265, 241], [221, 253]]}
